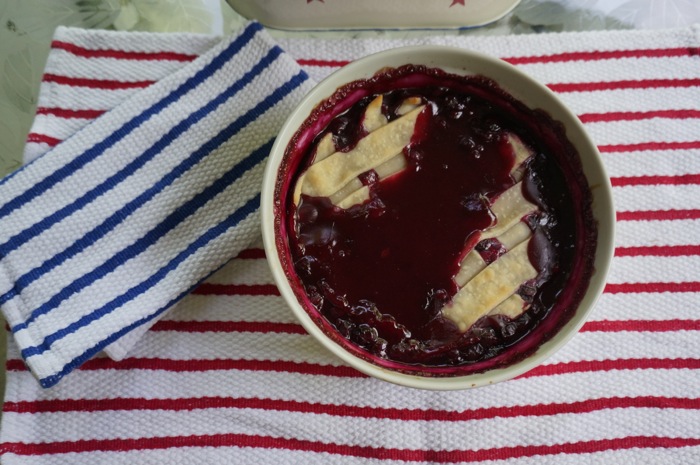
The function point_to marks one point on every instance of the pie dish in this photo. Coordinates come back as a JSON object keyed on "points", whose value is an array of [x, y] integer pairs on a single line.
{"points": [[436, 218]]}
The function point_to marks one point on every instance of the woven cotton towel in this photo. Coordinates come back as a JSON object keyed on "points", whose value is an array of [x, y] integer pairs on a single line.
{"points": [[229, 377], [116, 224]]}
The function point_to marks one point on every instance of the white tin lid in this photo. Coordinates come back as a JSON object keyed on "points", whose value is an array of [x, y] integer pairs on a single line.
{"points": [[373, 14]]}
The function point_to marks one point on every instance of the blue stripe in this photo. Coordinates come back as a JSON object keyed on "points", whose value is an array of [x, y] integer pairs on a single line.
{"points": [[192, 205], [174, 218], [186, 87], [234, 219], [116, 218], [187, 209]]}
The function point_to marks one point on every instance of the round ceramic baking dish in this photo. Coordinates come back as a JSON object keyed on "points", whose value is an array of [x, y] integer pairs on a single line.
{"points": [[461, 62]]}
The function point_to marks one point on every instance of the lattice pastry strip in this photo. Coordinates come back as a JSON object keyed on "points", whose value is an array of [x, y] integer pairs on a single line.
{"points": [[335, 175], [491, 288], [473, 263], [512, 307]]}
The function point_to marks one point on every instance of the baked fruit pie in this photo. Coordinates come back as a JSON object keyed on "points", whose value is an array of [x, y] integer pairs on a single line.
{"points": [[435, 223]]}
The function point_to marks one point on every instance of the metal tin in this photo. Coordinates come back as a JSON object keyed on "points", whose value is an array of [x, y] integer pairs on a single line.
{"points": [[373, 14]]}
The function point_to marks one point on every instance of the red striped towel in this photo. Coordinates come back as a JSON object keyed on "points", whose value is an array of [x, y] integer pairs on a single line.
{"points": [[229, 377]]}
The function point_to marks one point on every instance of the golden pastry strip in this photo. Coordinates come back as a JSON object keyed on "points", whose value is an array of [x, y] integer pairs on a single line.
{"points": [[473, 263], [361, 193], [326, 177], [325, 148], [490, 287], [374, 118], [346, 191], [522, 153], [355, 198], [470, 267], [409, 104], [512, 307], [509, 208]]}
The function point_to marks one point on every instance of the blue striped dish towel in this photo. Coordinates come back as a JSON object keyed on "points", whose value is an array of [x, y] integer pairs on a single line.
{"points": [[108, 230]]}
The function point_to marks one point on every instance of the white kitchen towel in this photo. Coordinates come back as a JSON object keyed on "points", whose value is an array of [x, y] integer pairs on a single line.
{"points": [[120, 221], [228, 376]]}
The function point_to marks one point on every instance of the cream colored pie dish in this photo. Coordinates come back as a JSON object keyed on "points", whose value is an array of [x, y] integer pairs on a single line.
{"points": [[436, 218]]}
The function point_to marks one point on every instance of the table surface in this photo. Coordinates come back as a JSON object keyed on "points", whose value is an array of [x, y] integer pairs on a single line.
{"points": [[26, 28]]}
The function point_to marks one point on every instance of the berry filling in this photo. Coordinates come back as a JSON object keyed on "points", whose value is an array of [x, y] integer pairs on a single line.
{"points": [[434, 223]]}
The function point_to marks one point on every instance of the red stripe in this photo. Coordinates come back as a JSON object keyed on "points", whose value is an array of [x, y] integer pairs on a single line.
{"points": [[197, 365], [199, 403], [638, 115], [323, 63], [293, 328], [43, 139], [625, 84], [569, 86], [236, 289], [120, 54], [634, 288], [377, 453], [252, 254], [658, 251], [608, 326], [655, 180], [95, 83], [658, 215], [66, 113], [599, 55], [585, 366], [228, 327], [586, 118], [553, 58], [650, 146], [307, 368]]}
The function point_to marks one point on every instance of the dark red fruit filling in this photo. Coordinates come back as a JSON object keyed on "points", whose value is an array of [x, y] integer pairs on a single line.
{"points": [[379, 273]]}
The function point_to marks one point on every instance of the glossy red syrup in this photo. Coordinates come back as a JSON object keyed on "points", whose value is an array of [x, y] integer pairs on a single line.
{"points": [[379, 273]]}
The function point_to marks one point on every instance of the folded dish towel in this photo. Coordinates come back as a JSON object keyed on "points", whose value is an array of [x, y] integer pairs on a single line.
{"points": [[228, 376], [113, 226]]}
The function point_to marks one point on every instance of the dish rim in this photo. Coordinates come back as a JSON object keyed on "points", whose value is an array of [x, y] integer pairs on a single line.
{"points": [[520, 86]]}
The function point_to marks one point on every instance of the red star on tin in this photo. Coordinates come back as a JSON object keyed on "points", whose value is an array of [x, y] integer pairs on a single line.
{"points": [[455, 2]]}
